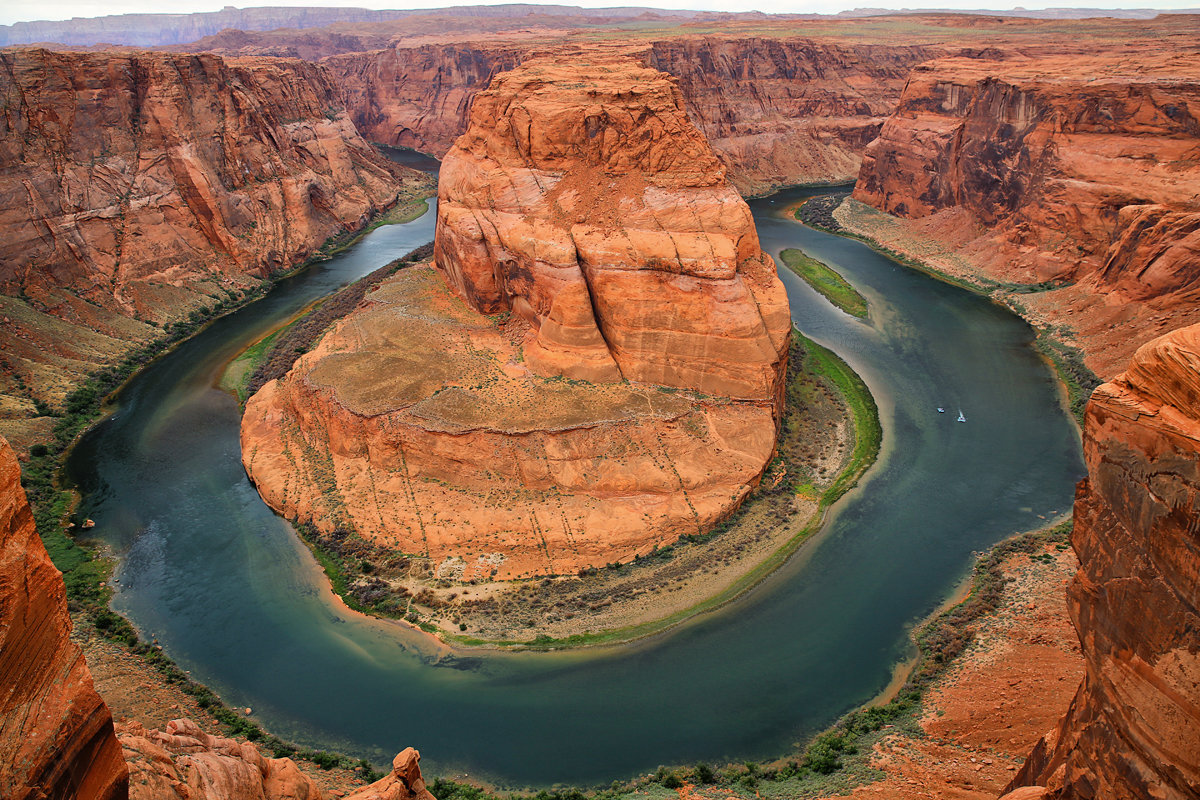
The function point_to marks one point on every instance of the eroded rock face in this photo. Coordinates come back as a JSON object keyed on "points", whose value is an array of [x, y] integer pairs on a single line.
{"points": [[1133, 729], [777, 111], [136, 186], [184, 763], [606, 380], [1075, 168], [583, 200], [56, 735]]}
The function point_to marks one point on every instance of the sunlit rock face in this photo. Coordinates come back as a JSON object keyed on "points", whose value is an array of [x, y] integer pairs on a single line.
{"points": [[593, 367], [56, 734]]}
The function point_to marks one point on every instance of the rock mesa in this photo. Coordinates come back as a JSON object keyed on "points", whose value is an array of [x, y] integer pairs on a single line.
{"points": [[56, 734], [594, 368], [1133, 728]]}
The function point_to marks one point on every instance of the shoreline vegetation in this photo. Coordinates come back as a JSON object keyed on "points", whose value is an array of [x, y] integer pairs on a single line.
{"points": [[87, 569], [1064, 357], [826, 281]]}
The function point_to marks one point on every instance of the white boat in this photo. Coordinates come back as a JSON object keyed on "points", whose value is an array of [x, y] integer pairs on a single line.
{"points": [[941, 410], [961, 418]]}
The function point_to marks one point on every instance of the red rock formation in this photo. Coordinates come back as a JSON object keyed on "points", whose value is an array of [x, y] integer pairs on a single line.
{"points": [[136, 187], [1076, 168], [583, 202], [184, 763], [56, 735], [777, 111], [1133, 729]]}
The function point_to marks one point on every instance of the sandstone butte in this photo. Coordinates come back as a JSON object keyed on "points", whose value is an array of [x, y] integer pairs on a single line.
{"points": [[777, 111], [138, 186], [57, 737], [594, 369], [1079, 170], [1133, 728]]}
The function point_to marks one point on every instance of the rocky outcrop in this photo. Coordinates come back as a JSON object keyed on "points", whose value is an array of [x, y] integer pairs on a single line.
{"points": [[583, 200], [612, 381], [56, 735], [777, 111], [1079, 169], [184, 763], [1133, 729], [136, 187]]}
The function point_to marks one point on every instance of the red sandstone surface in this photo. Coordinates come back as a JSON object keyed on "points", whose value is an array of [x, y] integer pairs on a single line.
{"points": [[56, 735], [1133, 729], [184, 763], [137, 186], [1068, 169], [623, 391]]}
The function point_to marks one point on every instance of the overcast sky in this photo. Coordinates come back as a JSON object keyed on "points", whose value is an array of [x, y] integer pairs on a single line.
{"points": [[19, 10]]}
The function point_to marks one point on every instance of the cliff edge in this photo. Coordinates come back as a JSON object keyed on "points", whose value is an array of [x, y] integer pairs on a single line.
{"points": [[1133, 728]]}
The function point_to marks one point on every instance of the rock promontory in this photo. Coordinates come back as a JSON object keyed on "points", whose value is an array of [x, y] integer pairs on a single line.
{"points": [[593, 368], [1133, 729]]}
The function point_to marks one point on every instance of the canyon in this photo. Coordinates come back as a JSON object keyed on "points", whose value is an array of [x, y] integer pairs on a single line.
{"points": [[595, 369], [1077, 176], [776, 111], [140, 188], [147, 186]]}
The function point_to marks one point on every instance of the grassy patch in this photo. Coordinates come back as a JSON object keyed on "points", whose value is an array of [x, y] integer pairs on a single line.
{"points": [[1072, 371], [826, 281], [868, 433]]}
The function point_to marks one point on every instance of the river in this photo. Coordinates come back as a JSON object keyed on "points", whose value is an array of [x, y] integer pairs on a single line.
{"points": [[235, 598]]}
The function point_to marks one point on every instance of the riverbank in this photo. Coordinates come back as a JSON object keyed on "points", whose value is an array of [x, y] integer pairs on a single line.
{"points": [[829, 436], [897, 239]]}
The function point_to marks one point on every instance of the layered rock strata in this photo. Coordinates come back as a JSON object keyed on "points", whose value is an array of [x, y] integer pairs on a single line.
{"points": [[136, 187], [607, 378], [1133, 728], [56, 735], [1071, 169], [776, 111]]}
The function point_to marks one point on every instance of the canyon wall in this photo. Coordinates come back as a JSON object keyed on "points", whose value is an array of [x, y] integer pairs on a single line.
{"points": [[777, 111], [56, 735], [1072, 169], [136, 187], [605, 376], [1133, 729]]}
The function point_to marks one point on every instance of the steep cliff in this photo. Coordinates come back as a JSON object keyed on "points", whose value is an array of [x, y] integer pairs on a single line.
{"points": [[777, 111], [1133, 729], [136, 187], [56, 735], [531, 430], [1071, 169], [786, 111]]}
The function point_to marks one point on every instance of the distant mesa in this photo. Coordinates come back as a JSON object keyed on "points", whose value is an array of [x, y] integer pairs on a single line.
{"points": [[593, 368]]}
